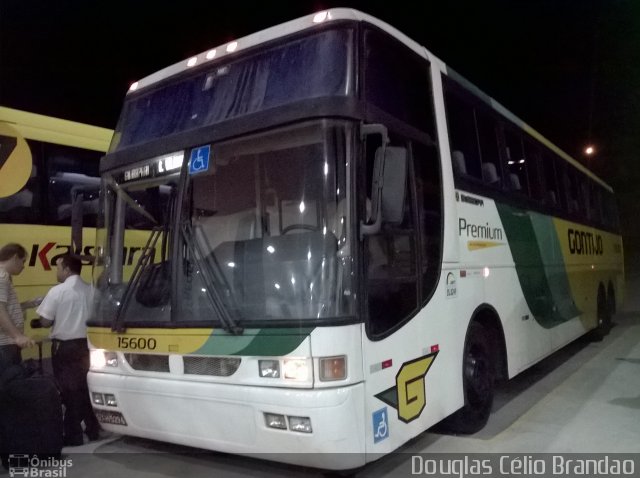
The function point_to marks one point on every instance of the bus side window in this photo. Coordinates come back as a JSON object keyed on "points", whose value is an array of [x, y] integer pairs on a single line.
{"points": [[70, 169], [488, 140], [19, 208], [569, 202], [583, 185], [534, 170], [551, 194], [23, 207], [462, 136], [610, 211], [595, 202], [573, 190], [515, 164]]}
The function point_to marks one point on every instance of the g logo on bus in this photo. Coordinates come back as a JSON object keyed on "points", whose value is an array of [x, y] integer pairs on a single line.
{"points": [[409, 394]]}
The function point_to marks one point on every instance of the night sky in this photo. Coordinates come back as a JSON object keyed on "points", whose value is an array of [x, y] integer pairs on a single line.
{"points": [[569, 68]]}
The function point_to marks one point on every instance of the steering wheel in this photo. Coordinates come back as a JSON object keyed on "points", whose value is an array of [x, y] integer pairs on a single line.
{"points": [[293, 227]]}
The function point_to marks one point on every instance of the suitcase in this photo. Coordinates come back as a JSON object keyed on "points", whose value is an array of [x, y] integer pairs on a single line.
{"points": [[30, 414]]}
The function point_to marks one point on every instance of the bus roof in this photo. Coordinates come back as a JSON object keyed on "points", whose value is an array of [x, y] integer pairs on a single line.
{"points": [[57, 131], [308, 21]]}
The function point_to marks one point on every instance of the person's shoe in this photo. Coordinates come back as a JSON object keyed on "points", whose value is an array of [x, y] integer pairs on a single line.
{"points": [[93, 435], [73, 441]]}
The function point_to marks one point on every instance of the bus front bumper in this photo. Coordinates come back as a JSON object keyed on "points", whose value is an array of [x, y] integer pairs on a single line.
{"points": [[231, 418]]}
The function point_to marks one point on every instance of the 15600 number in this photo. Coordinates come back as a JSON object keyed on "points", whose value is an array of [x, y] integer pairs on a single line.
{"points": [[136, 343]]}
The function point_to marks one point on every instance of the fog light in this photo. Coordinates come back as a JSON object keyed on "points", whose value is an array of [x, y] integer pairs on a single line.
{"points": [[269, 368], [300, 424], [333, 368], [97, 398], [273, 420], [110, 400]]}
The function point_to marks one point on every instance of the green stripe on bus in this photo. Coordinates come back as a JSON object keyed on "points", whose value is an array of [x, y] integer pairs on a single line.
{"points": [[262, 342], [539, 264]]}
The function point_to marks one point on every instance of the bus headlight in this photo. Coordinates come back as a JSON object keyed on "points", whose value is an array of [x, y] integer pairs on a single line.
{"points": [[296, 369], [101, 359], [269, 368]]}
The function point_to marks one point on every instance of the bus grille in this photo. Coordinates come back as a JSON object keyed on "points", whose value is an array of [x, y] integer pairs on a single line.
{"points": [[148, 363], [217, 366]]}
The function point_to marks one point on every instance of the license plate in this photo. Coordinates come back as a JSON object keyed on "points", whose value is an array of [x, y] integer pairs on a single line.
{"points": [[110, 417]]}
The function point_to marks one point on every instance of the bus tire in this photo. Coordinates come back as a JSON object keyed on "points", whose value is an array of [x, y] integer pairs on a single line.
{"points": [[611, 301], [478, 377], [603, 316]]}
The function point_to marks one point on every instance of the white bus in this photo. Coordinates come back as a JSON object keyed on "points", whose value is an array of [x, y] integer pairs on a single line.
{"points": [[351, 244]]}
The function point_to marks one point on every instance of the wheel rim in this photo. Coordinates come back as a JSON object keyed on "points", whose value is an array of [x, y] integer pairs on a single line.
{"points": [[477, 375]]}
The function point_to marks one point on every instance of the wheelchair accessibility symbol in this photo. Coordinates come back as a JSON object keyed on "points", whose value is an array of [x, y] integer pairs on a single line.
{"points": [[199, 161], [380, 425]]}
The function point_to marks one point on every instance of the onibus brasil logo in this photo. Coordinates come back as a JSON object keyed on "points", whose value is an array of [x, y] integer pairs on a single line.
{"points": [[32, 466]]}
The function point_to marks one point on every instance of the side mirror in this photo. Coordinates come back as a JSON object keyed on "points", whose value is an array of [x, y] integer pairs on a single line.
{"points": [[388, 189], [372, 225], [394, 184], [77, 212]]}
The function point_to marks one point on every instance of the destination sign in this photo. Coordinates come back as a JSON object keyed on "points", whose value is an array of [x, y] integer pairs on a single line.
{"points": [[158, 166]]}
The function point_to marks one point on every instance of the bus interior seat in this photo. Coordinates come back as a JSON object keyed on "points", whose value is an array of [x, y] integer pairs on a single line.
{"points": [[229, 227], [550, 198], [573, 205], [489, 173], [515, 182], [459, 165]]}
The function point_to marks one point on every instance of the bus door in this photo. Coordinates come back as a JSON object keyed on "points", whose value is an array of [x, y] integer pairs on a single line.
{"points": [[401, 241]]}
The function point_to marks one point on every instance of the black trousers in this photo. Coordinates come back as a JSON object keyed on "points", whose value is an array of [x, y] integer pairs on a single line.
{"points": [[70, 360], [9, 355]]}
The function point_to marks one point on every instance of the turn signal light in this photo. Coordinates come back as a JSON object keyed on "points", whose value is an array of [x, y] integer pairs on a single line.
{"points": [[333, 368]]}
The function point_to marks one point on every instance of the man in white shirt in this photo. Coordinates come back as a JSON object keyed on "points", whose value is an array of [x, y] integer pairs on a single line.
{"points": [[67, 307]]}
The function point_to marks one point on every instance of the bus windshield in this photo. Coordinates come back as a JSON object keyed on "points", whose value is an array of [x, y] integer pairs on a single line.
{"points": [[264, 234]]}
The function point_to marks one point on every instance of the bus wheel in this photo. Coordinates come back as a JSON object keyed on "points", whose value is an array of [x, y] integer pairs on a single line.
{"points": [[611, 301], [478, 377], [604, 316]]}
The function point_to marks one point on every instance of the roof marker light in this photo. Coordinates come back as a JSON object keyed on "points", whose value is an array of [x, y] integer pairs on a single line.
{"points": [[232, 46], [134, 86], [320, 17], [211, 54], [192, 61]]}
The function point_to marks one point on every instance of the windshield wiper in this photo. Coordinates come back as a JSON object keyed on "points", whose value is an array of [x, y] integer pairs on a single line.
{"points": [[210, 270], [146, 258]]}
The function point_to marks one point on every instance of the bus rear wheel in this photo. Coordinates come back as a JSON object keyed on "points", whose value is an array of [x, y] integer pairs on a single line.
{"points": [[611, 301], [478, 380], [604, 316]]}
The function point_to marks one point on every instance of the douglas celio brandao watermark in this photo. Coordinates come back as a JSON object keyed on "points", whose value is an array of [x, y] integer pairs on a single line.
{"points": [[462, 466]]}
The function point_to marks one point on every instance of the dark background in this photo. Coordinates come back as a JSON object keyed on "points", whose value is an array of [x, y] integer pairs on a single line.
{"points": [[569, 68]]}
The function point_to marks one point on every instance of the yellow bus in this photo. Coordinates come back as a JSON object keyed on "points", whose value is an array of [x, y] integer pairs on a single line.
{"points": [[43, 162]]}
